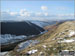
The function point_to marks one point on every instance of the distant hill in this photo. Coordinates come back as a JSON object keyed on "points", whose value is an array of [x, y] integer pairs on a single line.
{"points": [[43, 23]]}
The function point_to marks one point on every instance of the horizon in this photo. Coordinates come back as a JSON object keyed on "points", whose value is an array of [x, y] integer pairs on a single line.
{"points": [[37, 10]]}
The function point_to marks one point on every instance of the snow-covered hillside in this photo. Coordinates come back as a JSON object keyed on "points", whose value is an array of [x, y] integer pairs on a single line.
{"points": [[43, 23], [7, 38], [26, 44]]}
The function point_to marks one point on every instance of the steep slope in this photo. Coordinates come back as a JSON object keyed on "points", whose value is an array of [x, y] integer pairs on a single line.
{"points": [[13, 33], [52, 42], [20, 28]]}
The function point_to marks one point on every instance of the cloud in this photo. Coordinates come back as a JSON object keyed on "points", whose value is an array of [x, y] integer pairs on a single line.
{"points": [[61, 15], [24, 12], [44, 8], [38, 13], [7, 16], [65, 16], [26, 15], [41, 14], [62, 8], [46, 14], [13, 13]]}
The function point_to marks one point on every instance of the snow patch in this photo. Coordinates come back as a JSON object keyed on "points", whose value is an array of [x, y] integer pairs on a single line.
{"points": [[3, 53], [71, 33], [43, 32], [39, 23], [71, 40], [25, 44], [7, 38], [28, 22], [44, 46], [32, 51], [65, 50], [41, 52]]}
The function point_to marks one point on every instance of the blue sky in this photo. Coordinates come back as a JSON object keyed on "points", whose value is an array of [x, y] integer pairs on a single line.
{"points": [[48, 7]]}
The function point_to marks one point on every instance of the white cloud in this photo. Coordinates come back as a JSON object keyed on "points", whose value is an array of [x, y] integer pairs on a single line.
{"points": [[41, 14], [65, 16], [46, 14], [13, 13], [44, 8], [62, 8], [26, 15], [7, 16], [24, 12], [38, 13], [61, 15]]}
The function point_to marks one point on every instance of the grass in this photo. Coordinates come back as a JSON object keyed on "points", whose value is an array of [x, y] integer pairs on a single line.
{"points": [[53, 47]]}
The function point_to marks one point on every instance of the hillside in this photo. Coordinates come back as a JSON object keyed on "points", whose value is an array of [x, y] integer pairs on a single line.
{"points": [[59, 37], [14, 32], [20, 28]]}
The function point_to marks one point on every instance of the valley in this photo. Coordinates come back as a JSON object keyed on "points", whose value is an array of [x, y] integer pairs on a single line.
{"points": [[58, 37]]}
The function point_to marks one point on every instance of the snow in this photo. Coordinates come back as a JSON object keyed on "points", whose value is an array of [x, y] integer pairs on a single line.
{"points": [[25, 44], [31, 35], [71, 40], [3, 53], [41, 23], [7, 38], [32, 51], [41, 52], [54, 48], [38, 23], [44, 46], [71, 33], [43, 32], [65, 50], [28, 22]]}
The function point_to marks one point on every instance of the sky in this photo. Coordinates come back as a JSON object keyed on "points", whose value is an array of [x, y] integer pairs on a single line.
{"points": [[37, 10]]}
